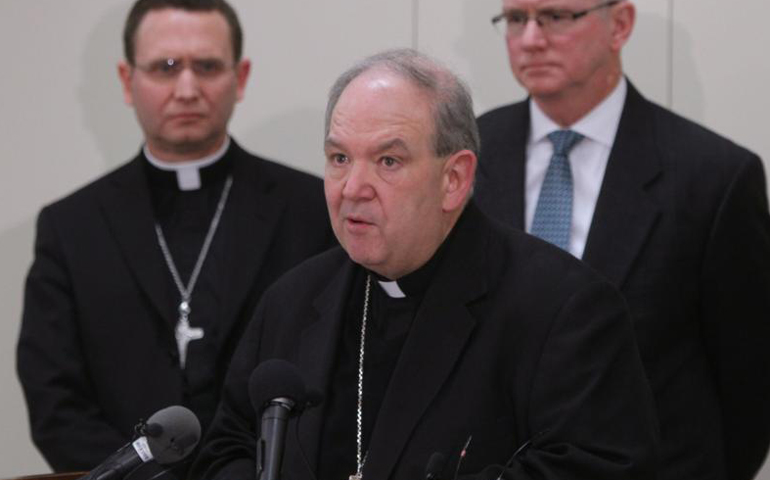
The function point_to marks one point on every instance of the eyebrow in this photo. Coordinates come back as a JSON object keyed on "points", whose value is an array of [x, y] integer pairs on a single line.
{"points": [[391, 144], [193, 58], [330, 142], [545, 8]]}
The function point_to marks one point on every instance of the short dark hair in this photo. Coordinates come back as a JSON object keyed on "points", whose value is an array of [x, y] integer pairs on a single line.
{"points": [[454, 123], [142, 7]]}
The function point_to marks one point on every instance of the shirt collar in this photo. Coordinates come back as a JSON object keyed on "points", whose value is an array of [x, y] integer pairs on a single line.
{"points": [[416, 283], [600, 124], [391, 288], [411, 284], [187, 172]]}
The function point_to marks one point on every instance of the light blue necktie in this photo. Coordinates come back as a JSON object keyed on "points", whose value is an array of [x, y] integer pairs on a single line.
{"points": [[553, 214]]}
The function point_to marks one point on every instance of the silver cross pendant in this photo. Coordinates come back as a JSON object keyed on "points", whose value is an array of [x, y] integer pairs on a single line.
{"points": [[184, 333]]}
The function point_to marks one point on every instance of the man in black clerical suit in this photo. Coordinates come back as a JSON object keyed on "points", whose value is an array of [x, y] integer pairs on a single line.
{"points": [[434, 325], [143, 281], [672, 214]]}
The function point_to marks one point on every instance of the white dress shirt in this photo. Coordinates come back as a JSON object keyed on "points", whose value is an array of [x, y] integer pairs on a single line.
{"points": [[588, 160]]}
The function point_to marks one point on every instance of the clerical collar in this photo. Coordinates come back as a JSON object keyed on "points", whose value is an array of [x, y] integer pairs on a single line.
{"points": [[418, 281], [391, 288], [411, 284], [188, 175]]}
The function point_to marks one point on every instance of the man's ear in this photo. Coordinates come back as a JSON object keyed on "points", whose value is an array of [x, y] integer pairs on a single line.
{"points": [[125, 71], [242, 76], [623, 17], [459, 173]]}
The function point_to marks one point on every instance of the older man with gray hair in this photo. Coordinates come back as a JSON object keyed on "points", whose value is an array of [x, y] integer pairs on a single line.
{"points": [[432, 329], [671, 213]]}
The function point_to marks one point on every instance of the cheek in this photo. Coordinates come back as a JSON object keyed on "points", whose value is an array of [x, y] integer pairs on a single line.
{"points": [[150, 92], [149, 105], [581, 58], [332, 193], [221, 99], [409, 216], [514, 52], [577, 69]]}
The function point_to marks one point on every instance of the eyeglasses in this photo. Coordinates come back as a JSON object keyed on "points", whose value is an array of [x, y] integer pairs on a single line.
{"points": [[167, 69], [513, 22]]}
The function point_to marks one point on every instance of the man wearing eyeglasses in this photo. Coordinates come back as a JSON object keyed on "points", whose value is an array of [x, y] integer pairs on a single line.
{"points": [[672, 214], [144, 280]]}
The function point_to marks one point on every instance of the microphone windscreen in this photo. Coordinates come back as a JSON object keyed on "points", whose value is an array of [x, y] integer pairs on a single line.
{"points": [[435, 466], [177, 432], [274, 379]]}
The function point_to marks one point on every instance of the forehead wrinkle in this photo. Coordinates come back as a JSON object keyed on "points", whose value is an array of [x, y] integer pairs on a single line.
{"points": [[387, 145], [364, 120], [174, 33], [174, 48], [371, 115], [541, 5]]}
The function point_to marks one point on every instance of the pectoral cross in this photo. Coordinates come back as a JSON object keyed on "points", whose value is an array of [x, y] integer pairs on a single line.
{"points": [[184, 333], [359, 473]]}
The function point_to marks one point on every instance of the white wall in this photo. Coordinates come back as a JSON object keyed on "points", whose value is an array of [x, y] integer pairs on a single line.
{"points": [[62, 120]]}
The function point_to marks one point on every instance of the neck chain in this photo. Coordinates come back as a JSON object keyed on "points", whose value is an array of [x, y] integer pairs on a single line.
{"points": [[360, 411], [183, 333]]}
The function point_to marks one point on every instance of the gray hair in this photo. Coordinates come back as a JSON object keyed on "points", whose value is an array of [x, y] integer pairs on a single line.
{"points": [[454, 121]]}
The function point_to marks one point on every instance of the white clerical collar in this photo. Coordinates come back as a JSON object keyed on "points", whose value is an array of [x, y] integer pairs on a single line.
{"points": [[600, 124], [392, 289], [187, 173]]}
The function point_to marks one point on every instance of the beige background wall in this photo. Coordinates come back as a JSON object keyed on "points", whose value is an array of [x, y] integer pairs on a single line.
{"points": [[62, 121]]}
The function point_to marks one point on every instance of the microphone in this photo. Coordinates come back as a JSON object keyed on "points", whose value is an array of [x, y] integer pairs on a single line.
{"points": [[435, 466], [277, 392], [168, 436]]}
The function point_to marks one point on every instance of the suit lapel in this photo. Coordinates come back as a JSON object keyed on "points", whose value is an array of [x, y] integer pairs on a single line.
{"points": [[128, 211], [317, 353], [625, 212], [507, 147], [250, 220], [441, 329]]}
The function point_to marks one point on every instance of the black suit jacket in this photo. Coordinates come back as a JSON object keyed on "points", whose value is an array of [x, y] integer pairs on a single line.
{"points": [[96, 351], [515, 343], [681, 226]]}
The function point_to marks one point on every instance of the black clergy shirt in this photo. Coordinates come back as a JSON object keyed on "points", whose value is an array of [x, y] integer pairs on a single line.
{"points": [[185, 217], [388, 325]]}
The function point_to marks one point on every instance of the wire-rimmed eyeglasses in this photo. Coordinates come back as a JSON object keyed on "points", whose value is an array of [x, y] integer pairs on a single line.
{"points": [[513, 22]]}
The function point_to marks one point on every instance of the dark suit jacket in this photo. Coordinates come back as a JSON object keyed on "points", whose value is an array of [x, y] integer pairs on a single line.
{"points": [[96, 351], [514, 342], [681, 226]]}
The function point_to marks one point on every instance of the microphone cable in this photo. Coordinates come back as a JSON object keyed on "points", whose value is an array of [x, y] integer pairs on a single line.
{"points": [[302, 450], [521, 448], [463, 452]]}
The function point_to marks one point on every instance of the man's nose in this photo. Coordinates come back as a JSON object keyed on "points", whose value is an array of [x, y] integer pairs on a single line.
{"points": [[532, 35], [358, 182], [187, 85]]}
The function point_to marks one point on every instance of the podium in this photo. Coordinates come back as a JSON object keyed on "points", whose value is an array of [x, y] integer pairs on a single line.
{"points": [[52, 476]]}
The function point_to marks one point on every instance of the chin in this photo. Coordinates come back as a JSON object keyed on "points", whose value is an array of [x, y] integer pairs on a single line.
{"points": [[544, 89], [361, 259], [364, 258], [193, 141], [540, 84]]}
